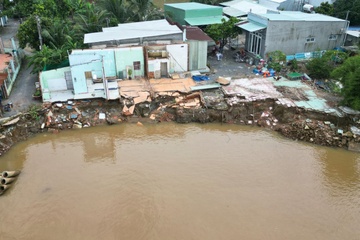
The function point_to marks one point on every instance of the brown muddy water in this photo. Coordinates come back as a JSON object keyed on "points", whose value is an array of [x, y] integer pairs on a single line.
{"points": [[171, 181]]}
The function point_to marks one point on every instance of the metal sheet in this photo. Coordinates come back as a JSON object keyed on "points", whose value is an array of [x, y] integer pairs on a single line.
{"points": [[251, 27]]}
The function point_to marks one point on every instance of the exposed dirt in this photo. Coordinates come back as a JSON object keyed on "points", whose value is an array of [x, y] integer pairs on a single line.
{"points": [[292, 93], [294, 123]]}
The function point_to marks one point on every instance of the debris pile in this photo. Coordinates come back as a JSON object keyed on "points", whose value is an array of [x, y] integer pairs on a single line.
{"points": [[322, 133]]}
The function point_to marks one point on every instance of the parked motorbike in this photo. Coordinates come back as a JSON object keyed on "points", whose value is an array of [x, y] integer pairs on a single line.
{"points": [[240, 57]]}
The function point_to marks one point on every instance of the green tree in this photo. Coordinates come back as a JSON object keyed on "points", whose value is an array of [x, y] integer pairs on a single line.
{"points": [[28, 32], [47, 56], [77, 6], [353, 6], [144, 10], [349, 75], [118, 8], [91, 20], [58, 34], [321, 67], [276, 60], [223, 31], [325, 8]]}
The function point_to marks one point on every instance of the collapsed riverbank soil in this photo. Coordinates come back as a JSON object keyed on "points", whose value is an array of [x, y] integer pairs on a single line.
{"points": [[293, 123]]}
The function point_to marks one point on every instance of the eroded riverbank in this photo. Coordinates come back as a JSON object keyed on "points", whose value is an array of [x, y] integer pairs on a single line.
{"points": [[203, 107]]}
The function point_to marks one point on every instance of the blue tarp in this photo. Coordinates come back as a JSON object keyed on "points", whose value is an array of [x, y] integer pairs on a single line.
{"points": [[200, 78]]}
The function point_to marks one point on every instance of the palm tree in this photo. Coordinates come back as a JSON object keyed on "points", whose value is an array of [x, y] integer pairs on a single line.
{"points": [[57, 34], [45, 57], [92, 20], [144, 10], [118, 8]]}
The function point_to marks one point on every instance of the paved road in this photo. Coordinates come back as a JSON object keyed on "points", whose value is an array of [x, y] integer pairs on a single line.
{"points": [[24, 87]]}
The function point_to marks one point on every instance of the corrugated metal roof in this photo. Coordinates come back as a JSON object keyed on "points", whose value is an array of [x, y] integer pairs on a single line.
{"points": [[163, 23], [191, 6], [195, 33], [299, 16], [233, 12], [133, 30], [251, 26], [205, 20], [247, 6], [353, 33], [205, 87], [230, 3]]}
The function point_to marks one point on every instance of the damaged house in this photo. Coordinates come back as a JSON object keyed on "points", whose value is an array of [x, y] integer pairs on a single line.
{"points": [[129, 51]]}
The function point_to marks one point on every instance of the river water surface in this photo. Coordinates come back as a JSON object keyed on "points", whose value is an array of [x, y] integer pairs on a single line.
{"points": [[171, 181]]}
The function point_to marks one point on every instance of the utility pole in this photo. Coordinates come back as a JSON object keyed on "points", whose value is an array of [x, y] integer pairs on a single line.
{"points": [[38, 23], [346, 26]]}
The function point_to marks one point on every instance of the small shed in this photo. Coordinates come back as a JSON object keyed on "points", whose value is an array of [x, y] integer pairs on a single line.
{"points": [[198, 47], [352, 37], [194, 14]]}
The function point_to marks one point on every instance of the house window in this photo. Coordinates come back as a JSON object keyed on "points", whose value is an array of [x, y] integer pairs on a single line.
{"points": [[332, 37], [310, 39], [136, 65], [255, 43]]}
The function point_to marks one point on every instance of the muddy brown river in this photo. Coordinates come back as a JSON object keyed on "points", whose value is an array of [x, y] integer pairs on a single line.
{"points": [[171, 181]]}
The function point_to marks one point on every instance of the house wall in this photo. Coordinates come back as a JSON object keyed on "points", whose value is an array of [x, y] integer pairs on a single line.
{"points": [[49, 78], [138, 41], [176, 14], [106, 54], [205, 12], [154, 67], [197, 54], [178, 54], [352, 40], [52, 81], [290, 37], [125, 58]]}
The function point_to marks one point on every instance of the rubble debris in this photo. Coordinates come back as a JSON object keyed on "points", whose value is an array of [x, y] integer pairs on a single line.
{"points": [[11, 122], [102, 116], [223, 81]]}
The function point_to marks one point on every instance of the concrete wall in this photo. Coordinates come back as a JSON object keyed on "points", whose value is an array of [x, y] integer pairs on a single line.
{"points": [[138, 41], [178, 54], [106, 54], [125, 58], [206, 12], [290, 37], [47, 77], [176, 14], [197, 55], [81, 63]]}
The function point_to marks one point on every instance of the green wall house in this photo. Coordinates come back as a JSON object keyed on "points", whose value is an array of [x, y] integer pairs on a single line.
{"points": [[194, 14]]}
